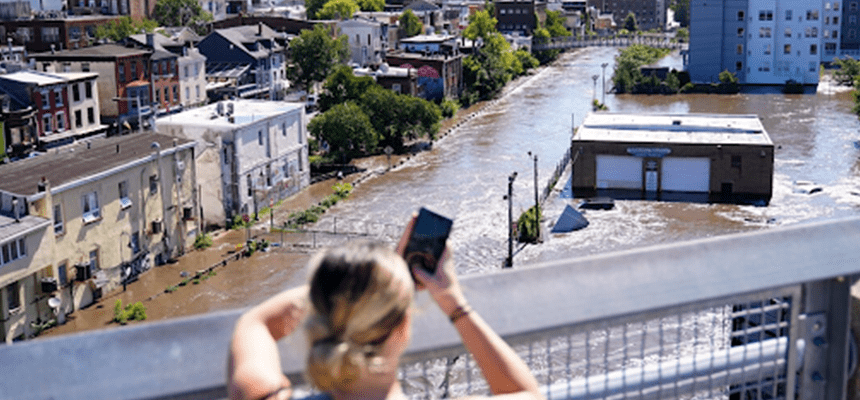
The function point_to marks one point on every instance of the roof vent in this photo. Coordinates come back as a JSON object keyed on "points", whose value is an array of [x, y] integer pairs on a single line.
{"points": [[676, 122]]}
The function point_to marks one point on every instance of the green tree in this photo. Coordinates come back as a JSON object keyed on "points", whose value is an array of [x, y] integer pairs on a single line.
{"points": [[630, 22], [682, 12], [342, 86], [527, 60], [396, 117], [180, 13], [481, 25], [848, 70], [410, 24], [346, 129], [371, 5], [314, 54], [627, 75], [313, 6], [728, 82], [683, 35], [555, 24], [124, 27], [544, 56], [338, 9]]}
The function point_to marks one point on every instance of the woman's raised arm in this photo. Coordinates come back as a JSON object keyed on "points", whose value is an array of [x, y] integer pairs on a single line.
{"points": [[254, 365]]}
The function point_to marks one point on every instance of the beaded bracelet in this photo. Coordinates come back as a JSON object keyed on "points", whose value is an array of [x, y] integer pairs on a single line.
{"points": [[460, 312]]}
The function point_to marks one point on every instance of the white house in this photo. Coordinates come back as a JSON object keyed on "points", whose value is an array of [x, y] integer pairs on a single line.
{"points": [[368, 40], [249, 153]]}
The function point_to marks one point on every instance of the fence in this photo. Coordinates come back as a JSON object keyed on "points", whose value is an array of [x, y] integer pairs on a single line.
{"points": [[567, 42], [553, 179], [760, 315]]}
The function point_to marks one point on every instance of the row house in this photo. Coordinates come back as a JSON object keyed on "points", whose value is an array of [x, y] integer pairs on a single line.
{"points": [[17, 128], [250, 153], [124, 78], [437, 61], [251, 58], [39, 35], [190, 67], [650, 14], [66, 104], [165, 82], [368, 40], [80, 221]]}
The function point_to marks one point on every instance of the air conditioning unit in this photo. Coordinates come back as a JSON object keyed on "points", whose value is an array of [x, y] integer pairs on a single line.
{"points": [[82, 272], [49, 285], [156, 227]]}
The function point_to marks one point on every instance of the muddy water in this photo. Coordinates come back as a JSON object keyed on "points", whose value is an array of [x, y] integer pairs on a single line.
{"points": [[465, 175]]}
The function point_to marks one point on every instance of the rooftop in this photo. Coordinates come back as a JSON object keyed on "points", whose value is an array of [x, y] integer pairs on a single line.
{"points": [[27, 223], [108, 50], [674, 128], [72, 163], [245, 112], [45, 78]]}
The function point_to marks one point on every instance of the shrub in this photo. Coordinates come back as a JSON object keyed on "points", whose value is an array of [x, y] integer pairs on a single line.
{"points": [[134, 312], [342, 189], [449, 108], [202, 241], [527, 225]]}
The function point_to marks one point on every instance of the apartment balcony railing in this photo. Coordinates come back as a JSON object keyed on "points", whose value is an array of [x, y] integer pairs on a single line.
{"points": [[759, 315]]}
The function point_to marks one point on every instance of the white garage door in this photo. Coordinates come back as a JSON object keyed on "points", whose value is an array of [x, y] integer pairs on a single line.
{"points": [[685, 174], [619, 172]]}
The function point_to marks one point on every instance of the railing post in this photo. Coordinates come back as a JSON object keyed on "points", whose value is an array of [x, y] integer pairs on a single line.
{"points": [[825, 329]]}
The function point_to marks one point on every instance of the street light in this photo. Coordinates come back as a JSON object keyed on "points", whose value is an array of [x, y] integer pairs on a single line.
{"points": [[603, 85], [537, 204], [594, 91], [509, 262]]}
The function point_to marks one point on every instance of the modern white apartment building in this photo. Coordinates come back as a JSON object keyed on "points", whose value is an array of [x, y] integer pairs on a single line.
{"points": [[763, 41]]}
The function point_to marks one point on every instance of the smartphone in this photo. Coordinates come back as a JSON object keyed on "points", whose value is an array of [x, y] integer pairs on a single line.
{"points": [[427, 240]]}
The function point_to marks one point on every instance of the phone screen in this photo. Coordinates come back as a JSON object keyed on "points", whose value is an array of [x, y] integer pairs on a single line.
{"points": [[427, 240]]}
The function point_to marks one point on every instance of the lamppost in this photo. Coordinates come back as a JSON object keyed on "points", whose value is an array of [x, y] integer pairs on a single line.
{"points": [[537, 204], [509, 262], [594, 91], [603, 84]]}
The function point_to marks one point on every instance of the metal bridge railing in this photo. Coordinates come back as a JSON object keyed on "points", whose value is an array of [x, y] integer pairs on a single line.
{"points": [[761, 315]]}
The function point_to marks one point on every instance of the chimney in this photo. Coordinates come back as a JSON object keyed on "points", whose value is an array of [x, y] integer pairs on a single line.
{"points": [[117, 148], [52, 49], [150, 40], [259, 29], [42, 185]]}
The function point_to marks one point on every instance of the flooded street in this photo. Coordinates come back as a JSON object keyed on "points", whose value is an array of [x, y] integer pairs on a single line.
{"points": [[465, 175]]}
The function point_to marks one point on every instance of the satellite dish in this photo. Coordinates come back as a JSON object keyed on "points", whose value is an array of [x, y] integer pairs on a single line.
{"points": [[54, 302]]}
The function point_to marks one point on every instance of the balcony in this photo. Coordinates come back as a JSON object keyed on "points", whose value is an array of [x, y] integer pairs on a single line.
{"points": [[757, 315]]}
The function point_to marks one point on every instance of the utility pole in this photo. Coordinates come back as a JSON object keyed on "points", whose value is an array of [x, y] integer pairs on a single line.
{"points": [[594, 91], [509, 262], [604, 65], [537, 203]]}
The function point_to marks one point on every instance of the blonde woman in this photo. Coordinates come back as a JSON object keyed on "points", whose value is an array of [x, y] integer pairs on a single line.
{"points": [[357, 309]]}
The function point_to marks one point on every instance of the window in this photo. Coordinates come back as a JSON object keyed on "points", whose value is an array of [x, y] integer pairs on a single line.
{"points": [[835, 20], [813, 66], [61, 122], [197, 88], [76, 92], [90, 207], [826, 33], [283, 129], [852, 6], [260, 137], [124, 201], [740, 33], [91, 116], [786, 49], [134, 243], [736, 161], [62, 272], [852, 19], [187, 93], [167, 95], [301, 164], [813, 49], [94, 262], [767, 48], [812, 15], [740, 15], [250, 184], [811, 32], [88, 90], [46, 99], [788, 15], [153, 184], [836, 6], [740, 49], [59, 228], [739, 66], [51, 34], [788, 32], [121, 72], [85, 67], [764, 32], [835, 34], [196, 70], [827, 6], [765, 15], [47, 123], [175, 94], [58, 97], [79, 119], [185, 71], [13, 296], [157, 95], [133, 74]]}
